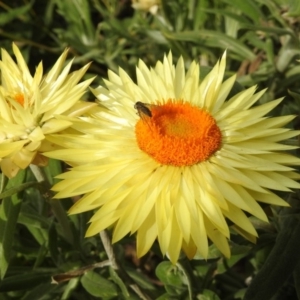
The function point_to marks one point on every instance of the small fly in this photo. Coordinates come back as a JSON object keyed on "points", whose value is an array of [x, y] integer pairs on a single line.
{"points": [[143, 109]]}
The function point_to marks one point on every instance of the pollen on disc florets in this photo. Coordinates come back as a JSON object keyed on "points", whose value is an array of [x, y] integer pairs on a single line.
{"points": [[178, 134]]}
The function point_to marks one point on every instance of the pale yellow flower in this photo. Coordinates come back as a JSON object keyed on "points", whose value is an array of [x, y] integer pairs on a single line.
{"points": [[146, 5], [189, 160], [30, 108]]}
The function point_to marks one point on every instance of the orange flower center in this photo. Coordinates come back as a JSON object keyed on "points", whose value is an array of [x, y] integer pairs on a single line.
{"points": [[19, 98], [178, 134]]}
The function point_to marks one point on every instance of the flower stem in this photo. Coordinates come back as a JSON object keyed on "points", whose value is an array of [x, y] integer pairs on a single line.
{"points": [[119, 275]]}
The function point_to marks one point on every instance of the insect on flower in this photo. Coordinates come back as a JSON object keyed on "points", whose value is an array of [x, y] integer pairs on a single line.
{"points": [[143, 109]]}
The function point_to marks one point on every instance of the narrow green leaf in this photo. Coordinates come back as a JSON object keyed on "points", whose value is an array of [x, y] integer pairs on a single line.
{"points": [[121, 284], [199, 15], [207, 38], [297, 279], [247, 7], [40, 234], [285, 58], [33, 219], [296, 97], [281, 262], [52, 170], [18, 189], [9, 211], [25, 281], [241, 19], [14, 13], [140, 279], [70, 287], [78, 16], [276, 30], [167, 12], [275, 12], [53, 246], [39, 291], [41, 256], [64, 221]]}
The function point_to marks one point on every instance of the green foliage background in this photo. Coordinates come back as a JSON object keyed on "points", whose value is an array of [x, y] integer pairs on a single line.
{"points": [[40, 244]]}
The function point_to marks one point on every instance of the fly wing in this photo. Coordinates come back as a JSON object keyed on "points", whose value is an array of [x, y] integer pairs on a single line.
{"points": [[143, 109]]}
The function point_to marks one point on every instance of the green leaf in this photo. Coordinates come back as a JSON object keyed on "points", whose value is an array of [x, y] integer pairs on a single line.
{"points": [[240, 294], [37, 226], [52, 170], [208, 295], [297, 279], [296, 97], [98, 286], [167, 12], [18, 189], [81, 31], [33, 219], [64, 221], [43, 251], [119, 281], [237, 253], [25, 281], [249, 8], [53, 245], [166, 296], [294, 8], [215, 39], [140, 279], [285, 57], [172, 277], [69, 287], [9, 211], [281, 262], [275, 11], [276, 30], [169, 274], [12, 14], [39, 291], [229, 14], [199, 16], [213, 252]]}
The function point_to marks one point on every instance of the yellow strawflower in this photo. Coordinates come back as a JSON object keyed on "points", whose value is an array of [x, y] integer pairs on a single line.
{"points": [[171, 158], [30, 108]]}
